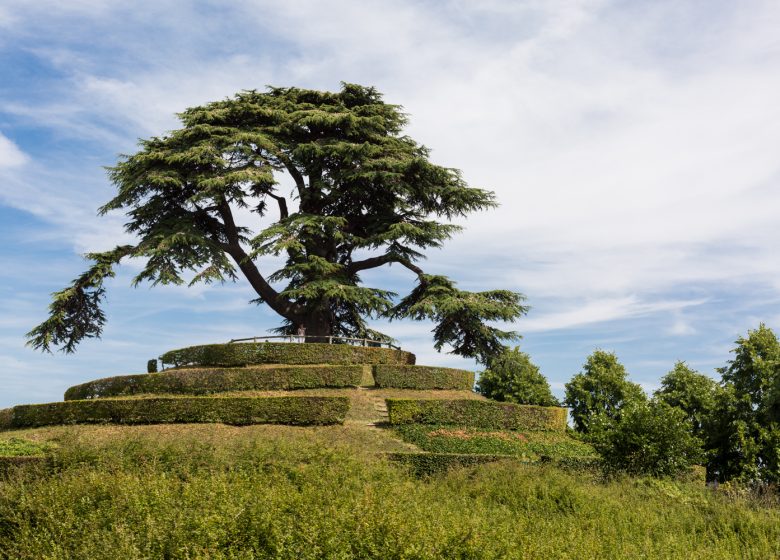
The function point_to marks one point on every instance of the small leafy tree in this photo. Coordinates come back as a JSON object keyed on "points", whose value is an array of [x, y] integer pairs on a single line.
{"points": [[601, 391], [691, 391], [745, 430], [207, 204], [651, 438], [512, 377]]}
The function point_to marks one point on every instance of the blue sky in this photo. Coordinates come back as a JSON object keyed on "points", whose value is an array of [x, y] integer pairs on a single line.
{"points": [[632, 145]]}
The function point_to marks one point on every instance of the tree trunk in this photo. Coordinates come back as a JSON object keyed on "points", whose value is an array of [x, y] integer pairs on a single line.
{"points": [[318, 327]]}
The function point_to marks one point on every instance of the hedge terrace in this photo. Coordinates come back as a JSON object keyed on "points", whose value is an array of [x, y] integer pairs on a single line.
{"points": [[253, 353], [228, 410], [201, 381], [422, 377], [476, 414]]}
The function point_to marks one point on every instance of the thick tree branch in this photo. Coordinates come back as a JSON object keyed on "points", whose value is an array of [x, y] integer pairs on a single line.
{"points": [[381, 260], [283, 212], [281, 305]]}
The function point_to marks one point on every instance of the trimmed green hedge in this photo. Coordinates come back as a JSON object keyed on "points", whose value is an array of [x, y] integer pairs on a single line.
{"points": [[427, 464], [202, 381], [251, 353], [227, 410], [423, 377], [476, 413]]}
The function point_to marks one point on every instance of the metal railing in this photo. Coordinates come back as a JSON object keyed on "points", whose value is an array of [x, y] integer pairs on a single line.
{"points": [[323, 339]]}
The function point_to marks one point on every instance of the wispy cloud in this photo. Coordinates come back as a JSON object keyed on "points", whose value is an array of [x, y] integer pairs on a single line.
{"points": [[10, 154]]}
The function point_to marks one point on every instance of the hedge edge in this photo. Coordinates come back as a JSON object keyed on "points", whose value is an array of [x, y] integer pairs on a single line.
{"points": [[477, 414], [427, 464], [251, 353], [422, 377], [239, 411], [203, 381]]}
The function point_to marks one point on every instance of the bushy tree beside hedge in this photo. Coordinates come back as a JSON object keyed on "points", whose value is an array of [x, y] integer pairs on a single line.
{"points": [[600, 392], [512, 377], [651, 438]]}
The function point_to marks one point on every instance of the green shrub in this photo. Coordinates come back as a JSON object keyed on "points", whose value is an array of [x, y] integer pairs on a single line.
{"points": [[649, 439], [428, 464], [476, 413], [250, 353], [227, 410], [512, 377], [422, 377], [151, 366], [202, 381], [17, 447]]}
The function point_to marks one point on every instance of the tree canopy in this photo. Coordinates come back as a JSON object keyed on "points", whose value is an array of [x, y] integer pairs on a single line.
{"points": [[207, 202], [511, 376], [691, 391], [745, 433], [601, 391]]}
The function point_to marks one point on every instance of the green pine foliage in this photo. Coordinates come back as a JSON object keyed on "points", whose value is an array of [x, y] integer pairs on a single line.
{"points": [[364, 195], [512, 377], [601, 391]]}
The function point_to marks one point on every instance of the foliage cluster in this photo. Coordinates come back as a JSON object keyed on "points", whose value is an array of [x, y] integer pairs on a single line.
{"points": [[743, 436], [189, 495], [423, 377], [18, 447], [600, 392], [512, 377], [201, 381], [476, 414], [250, 353], [650, 438], [732, 426], [295, 410]]}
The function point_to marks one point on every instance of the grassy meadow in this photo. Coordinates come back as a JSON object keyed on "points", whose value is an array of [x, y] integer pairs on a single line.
{"points": [[219, 492]]}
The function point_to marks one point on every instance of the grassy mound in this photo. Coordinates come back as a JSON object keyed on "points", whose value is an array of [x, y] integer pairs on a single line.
{"points": [[201, 381], [476, 414], [283, 492], [244, 354], [295, 410], [422, 377]]}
